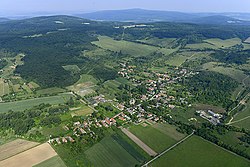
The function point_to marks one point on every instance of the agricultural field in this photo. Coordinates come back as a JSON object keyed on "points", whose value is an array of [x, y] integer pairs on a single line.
{"points": [[26, 104], [50, 91], [127, 47], [55, 161], [154, 138], [30, 157], [219, 43], [201, 46], [15, 147], [242, 118], [72, 68], [197, 152], [215, 109], [165, 42], [4, 87], [110, 153]]}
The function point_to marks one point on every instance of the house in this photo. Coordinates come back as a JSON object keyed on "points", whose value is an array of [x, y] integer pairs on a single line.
{"points": [[82, 131], [64, 140]]}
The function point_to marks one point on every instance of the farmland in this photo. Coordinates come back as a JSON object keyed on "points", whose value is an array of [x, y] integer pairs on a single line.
{"points": [[30, 157], [152, 137], [219, 43], [197, 152], [81, 111], [109, 153], [26, 104], [55, 161], [15, 147]]}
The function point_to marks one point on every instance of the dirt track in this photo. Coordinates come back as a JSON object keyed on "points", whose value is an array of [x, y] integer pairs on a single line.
{"points": [[146, 148], [30, 157]]}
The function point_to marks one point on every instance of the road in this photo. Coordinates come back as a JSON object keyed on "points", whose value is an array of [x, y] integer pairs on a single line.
{"points": [[167, 150]]}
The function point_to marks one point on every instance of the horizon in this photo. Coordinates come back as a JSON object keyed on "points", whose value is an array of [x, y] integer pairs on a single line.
{"points": [[30, 7]]}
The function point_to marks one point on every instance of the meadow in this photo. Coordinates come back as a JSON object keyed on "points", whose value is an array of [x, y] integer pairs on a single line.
{"points": [[197, 152], [26, 104]]}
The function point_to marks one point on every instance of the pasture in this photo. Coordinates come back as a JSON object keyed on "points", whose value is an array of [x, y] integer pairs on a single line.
{"points": [[4, 87], [55, 161], [165, 42], [15, 147], [81, 111], [30, 157], [50, 91], [109, 153], [26, 104], [201, 46], [130, 48], [197, 152], [219, 43], [152, 137]]}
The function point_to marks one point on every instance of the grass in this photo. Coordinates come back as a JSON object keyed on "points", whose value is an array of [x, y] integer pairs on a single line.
{"points": [[219, 43], [152, 137], [4, 88], [55, 161], [49, 91], [131, 48], [197, 152], [177, 60], [82, 111], [165, 42], [26, 104], [201, 46], [109, 153], [72, 68], [215, 109]]}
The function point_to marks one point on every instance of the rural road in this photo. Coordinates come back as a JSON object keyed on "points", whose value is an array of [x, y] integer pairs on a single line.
{"points": [[167, 150]]}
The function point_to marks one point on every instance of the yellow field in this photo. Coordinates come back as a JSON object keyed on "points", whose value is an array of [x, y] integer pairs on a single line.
{"points": [[17, 146], [4, 87], [30, 157]]}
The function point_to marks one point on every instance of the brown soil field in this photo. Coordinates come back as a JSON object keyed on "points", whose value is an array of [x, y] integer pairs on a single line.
{"points": [[15, 147], [30, 157]]}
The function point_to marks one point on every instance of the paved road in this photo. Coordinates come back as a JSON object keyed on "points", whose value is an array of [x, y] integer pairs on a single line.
{"points": [[167, 150]]}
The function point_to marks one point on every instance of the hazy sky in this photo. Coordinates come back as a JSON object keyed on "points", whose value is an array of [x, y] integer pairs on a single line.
{"points": [[19, 6]]}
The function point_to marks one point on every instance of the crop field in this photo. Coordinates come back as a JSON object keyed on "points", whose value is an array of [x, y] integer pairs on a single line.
{"points": [[242, 119], [201, 46], [216, 109], [224, 43], [30, 157], [127, 47], [55, 161], [33, 85], [197, 152], [4, 87], [109, 153], [177, 60], [152, 137], [26, 104], [72, 68], [82, 111], [15, 147]]}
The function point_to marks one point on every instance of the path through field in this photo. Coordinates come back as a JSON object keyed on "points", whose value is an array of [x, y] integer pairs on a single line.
{"points": [[145, 147]]}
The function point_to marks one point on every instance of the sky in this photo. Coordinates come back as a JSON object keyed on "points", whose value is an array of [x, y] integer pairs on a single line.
{"points": [[76, 6]]}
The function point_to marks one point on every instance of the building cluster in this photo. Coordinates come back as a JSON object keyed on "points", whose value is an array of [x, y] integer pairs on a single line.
{"points": [[209, 115]]}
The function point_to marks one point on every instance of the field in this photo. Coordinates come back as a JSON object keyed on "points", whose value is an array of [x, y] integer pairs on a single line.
{"points": [[82, 111], [50, 91], [215, 109], [236, 74], [219, 43], [201, 46], [4, 87], [30, 157], [15, 147], [55, 161], [26, 104], [127, 47], [242, 118], [247, 40], [165, 42], [152, 137], [197, 152], [109, 153]]}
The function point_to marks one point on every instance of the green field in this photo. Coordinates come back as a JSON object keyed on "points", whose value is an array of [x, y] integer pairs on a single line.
{"points": [[55, 161], [196, 152], [165, 42], [152, 137], [109, 153], [245, 115], [131, 48], [26, 104], [201, 46], [82, 111], [4, 88], [72, 68], [54, 90], [219, 43]]}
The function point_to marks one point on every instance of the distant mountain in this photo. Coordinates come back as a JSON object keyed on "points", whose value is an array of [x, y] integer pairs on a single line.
{"points": [[4, 19], [141, 15]]}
